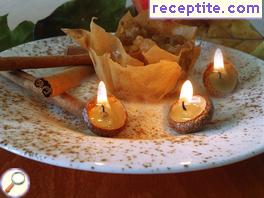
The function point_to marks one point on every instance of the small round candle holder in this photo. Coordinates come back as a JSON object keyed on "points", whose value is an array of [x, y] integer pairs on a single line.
{"points": [[105, 121], [220, 77], [201, 114]]}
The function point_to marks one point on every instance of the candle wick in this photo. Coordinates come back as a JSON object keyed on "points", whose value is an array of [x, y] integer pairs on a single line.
{"points": [[103, 108], [183, 106], [219, 75], [104, 113]]}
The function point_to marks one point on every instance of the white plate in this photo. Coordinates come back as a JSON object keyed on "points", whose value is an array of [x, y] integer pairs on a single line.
{"points": [[45, 133]]}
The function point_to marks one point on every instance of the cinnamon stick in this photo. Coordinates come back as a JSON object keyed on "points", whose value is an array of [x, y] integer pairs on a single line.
{"points": [[57, 84], [34, 62], [75, 50], [65, 101]]}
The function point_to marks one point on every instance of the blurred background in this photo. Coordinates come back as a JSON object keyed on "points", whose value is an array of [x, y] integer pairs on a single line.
{"points": [[23, 21]]}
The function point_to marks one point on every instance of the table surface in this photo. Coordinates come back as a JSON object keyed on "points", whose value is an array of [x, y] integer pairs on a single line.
{"points": [[243, 179]]}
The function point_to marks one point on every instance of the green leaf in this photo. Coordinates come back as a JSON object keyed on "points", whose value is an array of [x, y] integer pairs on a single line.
{"points": [[259, 51], [21, 34], [78, 14]]}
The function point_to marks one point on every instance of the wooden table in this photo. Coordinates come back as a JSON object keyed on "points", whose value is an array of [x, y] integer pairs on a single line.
{"points": [[244, 179]]}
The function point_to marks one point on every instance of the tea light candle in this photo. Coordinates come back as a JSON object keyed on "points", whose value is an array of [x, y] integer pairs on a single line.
{"points": [[105, 115], [220, 78], [190, 113]]}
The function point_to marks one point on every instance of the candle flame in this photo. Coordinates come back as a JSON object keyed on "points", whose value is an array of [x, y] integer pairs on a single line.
{"points": [[102, 94], [218, 59], [187, 91]]}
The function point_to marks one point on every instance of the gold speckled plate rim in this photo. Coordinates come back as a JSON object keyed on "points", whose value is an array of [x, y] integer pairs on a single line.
{"points": [[177, 154]]}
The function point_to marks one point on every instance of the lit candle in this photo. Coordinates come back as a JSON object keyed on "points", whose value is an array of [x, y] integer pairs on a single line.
{"points": [[105, 115], [190, 113], [220, 78]]}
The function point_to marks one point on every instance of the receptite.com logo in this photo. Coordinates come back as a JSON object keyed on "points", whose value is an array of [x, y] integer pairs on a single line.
{"points": [[15, 183]]}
